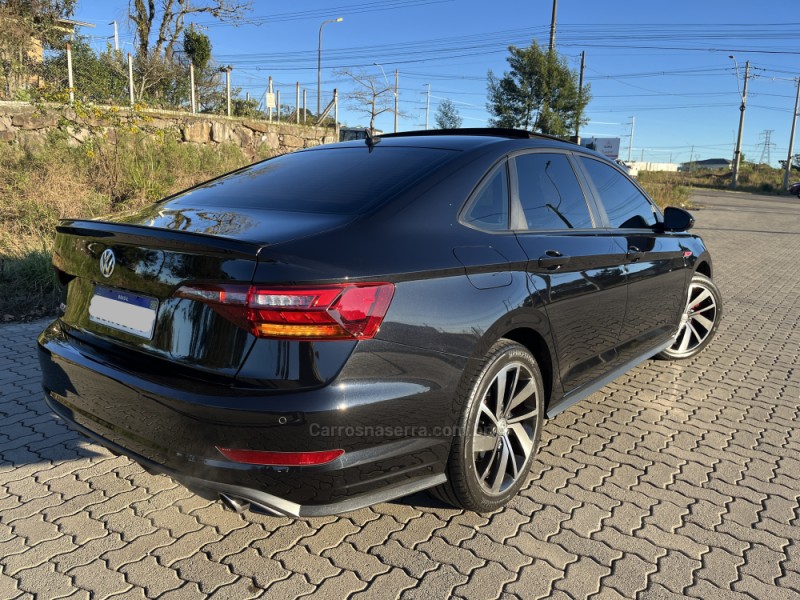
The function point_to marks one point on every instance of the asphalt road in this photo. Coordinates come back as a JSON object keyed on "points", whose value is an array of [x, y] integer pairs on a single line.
{"points": [[677, 480]]}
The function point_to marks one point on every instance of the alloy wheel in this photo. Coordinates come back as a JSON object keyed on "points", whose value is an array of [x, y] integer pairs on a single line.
{"points": [[505, 429], [697, 321]]}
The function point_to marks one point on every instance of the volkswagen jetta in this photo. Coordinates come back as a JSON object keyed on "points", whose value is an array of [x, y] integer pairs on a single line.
{"points": [[356, 322]]}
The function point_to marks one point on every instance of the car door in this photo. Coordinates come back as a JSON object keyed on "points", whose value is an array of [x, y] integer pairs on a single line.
{"points": [[655, 264], [574, 266]]}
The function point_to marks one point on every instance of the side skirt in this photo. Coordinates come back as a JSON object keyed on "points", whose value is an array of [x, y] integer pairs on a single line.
{"points": [[580, 393]]}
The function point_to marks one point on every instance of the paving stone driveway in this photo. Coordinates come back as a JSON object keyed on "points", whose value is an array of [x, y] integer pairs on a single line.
{"points": [[676, 480]]}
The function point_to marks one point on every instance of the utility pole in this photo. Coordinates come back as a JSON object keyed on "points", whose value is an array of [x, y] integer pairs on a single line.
{"points": [[788, 172], [553, 26], [396, 98], [742, 108], [428, 105], [630, 139], [580, 97], [305, 101], [116, 35]]}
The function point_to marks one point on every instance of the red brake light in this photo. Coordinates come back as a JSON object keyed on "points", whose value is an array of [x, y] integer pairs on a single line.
{"points": [[329, 312], [280, 459]]}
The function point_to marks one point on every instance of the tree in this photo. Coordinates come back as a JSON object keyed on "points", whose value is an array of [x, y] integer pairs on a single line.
{"points": [[197, 47], [370, 97], [99, 78], [447, 116], [539, 93], [170, 17], [26, 27]]}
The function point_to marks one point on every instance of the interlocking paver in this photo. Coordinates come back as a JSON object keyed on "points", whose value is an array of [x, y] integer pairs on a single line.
{"points": [[677, 480], [263, 571], [366, 566], [102, 581], [45, 582], [149, 574], [206, 573], [535, 580], [386, 586]]}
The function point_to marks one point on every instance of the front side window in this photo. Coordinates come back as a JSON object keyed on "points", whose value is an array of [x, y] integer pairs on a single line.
{"points": [[550, 194], [489, 209], [626, 206]]}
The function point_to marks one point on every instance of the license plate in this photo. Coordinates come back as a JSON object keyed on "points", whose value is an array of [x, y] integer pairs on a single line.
{"points": [[124, 311]]}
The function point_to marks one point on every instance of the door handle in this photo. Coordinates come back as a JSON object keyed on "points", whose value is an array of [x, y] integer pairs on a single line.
{"points": [[552, 260], [634, 254]]}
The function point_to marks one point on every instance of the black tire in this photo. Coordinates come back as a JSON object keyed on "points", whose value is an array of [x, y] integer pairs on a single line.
{"points": [[699, 321], [485, 480]]}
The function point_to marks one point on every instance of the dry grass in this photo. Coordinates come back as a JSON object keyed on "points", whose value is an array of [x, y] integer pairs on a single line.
{"points": [[39, 186], [671, 187]]}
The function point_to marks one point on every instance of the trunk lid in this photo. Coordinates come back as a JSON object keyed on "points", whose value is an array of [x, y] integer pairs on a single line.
{"points": [[155, 251]]}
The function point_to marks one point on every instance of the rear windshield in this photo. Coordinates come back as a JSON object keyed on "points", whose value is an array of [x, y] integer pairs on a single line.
{"points": [[335, 180]]}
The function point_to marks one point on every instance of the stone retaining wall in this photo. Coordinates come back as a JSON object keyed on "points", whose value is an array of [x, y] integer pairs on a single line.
{"points": [[26, 124]]}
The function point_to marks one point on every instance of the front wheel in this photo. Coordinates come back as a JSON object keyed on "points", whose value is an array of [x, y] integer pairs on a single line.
{"points": [[498, 432], [699, 320]]}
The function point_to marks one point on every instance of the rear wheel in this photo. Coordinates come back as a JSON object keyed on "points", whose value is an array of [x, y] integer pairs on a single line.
{"points": [[699, 321], [498, 431]]}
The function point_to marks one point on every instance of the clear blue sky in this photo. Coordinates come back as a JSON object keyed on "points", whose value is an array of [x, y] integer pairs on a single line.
{"points": [[665, 63]]}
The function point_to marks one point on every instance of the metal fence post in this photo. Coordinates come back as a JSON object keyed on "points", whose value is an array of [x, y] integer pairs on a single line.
{"points": [[270, 105], [69, 74], [130, 78], [191, 86], [228, 87], [336, 112]]}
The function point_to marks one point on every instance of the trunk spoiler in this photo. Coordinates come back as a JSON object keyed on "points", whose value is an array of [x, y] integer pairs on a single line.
{"points": [[167, 238]]}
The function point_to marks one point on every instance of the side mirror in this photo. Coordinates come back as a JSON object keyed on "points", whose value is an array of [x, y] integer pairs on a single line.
{"points": [[677, 219]]}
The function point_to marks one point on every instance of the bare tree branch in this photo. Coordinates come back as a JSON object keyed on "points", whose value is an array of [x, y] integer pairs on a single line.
{"points": [[171, 18], [370, 97]]}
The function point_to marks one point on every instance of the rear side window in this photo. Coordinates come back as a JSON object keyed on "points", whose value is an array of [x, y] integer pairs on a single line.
{"points": [[489, 209], [332, 180], [626, 206], [550, 194]]}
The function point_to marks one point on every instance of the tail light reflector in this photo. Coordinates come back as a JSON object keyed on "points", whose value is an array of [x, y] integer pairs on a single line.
{"points": [[280, 459], [327, 312]]}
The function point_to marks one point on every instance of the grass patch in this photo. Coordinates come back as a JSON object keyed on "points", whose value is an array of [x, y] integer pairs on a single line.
{"points": [[57, 179], [666, 188], [672, 187]]}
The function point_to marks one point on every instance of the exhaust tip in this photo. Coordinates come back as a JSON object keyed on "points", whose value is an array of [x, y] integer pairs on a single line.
{"points": [[233, 503]]}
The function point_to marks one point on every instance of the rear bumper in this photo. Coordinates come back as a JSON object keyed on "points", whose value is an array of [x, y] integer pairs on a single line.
{"points": [[395, 426]]}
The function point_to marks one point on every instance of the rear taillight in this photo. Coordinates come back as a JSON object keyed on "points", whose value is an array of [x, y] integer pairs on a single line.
{"points": [[325, 312]]}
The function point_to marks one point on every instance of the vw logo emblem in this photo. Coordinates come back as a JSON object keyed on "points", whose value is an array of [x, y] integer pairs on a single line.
{"points": [[107, 262]]}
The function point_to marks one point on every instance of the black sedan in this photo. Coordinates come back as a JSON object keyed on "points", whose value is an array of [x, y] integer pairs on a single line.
{"points": [[356, 322]]}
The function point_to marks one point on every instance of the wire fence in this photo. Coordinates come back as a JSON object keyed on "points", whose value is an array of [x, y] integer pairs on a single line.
{"points": [[77, 73]]}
